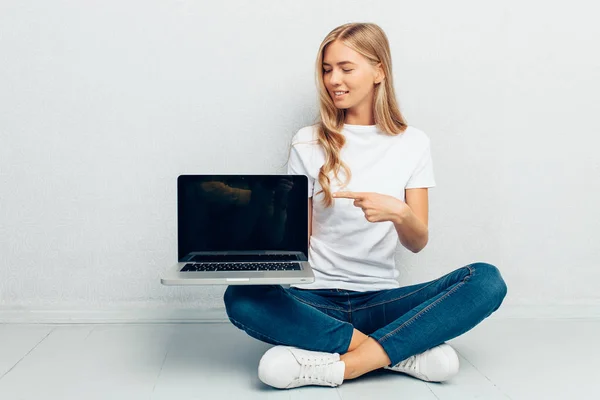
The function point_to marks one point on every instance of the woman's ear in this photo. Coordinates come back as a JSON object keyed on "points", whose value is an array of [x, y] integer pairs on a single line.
{"points": [[379, 76]]}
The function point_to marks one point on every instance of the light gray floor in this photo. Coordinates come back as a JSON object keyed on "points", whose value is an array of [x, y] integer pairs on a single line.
{"points": [[500, 359]]}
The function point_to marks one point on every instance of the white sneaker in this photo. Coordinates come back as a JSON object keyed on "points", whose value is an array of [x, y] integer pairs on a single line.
{"points": [[286, 367], [434, 365]]}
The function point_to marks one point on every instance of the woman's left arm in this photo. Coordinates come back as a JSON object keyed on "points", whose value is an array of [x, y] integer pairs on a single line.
{"points": [[409, 218], [411, 222]]}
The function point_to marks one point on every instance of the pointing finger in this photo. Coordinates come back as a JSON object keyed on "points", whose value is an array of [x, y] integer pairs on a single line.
{"points": [[348, 195]]}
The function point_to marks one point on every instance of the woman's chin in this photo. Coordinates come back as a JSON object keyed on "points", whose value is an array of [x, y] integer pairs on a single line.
{"points": [[341, 106]]}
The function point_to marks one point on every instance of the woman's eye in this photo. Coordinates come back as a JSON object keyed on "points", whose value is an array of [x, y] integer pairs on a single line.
{"points": [[346, 70]]}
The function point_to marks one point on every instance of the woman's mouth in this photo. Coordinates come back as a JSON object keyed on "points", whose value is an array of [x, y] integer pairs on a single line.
{"points": [[340, 94]]}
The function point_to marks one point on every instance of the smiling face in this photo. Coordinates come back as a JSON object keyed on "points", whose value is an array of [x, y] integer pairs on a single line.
{"points": [[349, 72]]}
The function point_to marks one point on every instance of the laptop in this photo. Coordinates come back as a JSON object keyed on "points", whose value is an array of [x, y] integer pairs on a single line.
{"points": [[241, 230]]}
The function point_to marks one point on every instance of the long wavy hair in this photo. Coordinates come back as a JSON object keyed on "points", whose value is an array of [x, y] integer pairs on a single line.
{"points": [[370, 41]]}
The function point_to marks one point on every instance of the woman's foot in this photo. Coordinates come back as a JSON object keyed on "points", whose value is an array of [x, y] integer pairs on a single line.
{"points": [[286, 367], [437, 364]]}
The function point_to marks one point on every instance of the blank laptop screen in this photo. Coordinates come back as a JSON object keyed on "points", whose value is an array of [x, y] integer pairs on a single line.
{"points": [[242, 213]]}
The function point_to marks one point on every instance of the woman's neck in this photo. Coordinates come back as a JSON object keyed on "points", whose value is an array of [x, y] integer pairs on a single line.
{"points": [[364, 119]]}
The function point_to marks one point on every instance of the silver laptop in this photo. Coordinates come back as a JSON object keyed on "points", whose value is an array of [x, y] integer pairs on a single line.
{"points": [[241, 230]]}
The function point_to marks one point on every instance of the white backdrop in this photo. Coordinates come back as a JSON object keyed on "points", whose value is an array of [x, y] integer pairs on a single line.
{"points": [[104, 103]]}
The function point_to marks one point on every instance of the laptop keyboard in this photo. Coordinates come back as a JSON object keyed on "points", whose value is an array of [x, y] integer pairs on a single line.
{"points": [[243, 258], [257, 266]]}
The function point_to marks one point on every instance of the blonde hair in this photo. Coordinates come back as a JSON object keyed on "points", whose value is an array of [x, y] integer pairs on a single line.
{"points": [[370, 41]]}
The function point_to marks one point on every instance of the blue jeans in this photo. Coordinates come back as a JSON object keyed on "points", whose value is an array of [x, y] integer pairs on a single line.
{"points": [[405, 321]]}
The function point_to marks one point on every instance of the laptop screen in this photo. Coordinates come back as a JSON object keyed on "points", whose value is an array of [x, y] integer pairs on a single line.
{"points": [[246, 213]]}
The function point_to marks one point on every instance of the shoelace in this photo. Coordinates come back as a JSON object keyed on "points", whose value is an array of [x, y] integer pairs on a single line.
{"points": [[409, 363], [316, 370]]}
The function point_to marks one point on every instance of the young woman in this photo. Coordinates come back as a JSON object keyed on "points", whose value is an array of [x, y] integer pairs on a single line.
{"points": [[369, 173]]}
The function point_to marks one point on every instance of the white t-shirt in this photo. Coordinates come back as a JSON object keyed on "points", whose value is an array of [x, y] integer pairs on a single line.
{"points": [[347, 251]]}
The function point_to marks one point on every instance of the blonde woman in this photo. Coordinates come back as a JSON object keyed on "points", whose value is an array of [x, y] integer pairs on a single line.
{"points": [[369, 174]]}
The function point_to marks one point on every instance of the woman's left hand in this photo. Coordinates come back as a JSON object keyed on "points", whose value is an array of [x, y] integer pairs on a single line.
{"points": [[376, 206]]}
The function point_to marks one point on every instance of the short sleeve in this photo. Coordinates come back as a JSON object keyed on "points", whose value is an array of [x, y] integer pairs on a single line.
{"points": [[296, 166], [422, 176]]}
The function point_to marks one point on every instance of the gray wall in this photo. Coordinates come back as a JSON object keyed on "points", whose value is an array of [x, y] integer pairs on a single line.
{"points": [[104, 104]]}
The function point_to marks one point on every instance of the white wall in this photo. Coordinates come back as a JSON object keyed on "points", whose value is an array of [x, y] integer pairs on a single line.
{"points": [[103, 104]]}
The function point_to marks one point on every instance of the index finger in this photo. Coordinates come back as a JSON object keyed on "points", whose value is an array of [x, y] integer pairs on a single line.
{"points": [[348, 195]]}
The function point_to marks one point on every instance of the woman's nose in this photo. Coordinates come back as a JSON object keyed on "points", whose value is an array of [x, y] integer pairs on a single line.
{"points": [[334, 78]]}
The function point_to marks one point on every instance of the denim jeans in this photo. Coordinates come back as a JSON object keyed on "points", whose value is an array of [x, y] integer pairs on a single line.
{"points": [[405, 321]]}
